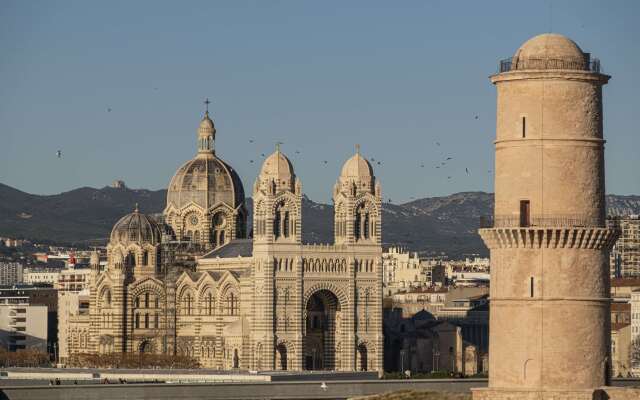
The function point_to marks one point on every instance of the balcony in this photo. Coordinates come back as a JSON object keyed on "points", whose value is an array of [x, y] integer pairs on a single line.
{"points": [[540, 221], [522, 64]]}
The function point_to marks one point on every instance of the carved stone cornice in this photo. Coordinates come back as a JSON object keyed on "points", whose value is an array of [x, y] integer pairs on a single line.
{"points": [[594, 238]]}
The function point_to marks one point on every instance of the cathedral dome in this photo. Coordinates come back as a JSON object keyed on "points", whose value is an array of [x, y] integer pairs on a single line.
{"points": [[135, 228], [206, 181], [550, 46], [278, 166], [357, 167]]}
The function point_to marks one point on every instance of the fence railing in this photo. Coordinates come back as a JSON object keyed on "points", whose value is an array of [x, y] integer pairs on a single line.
{"points": [[513, 64], [546, 221]]}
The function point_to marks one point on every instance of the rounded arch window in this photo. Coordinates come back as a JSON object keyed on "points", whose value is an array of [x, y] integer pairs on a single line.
{"points": [[283, 220], [219, 220], [363, 222]]}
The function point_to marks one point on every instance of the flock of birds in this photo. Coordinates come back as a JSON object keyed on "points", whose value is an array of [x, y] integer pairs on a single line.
{"points": [[440, 165]]}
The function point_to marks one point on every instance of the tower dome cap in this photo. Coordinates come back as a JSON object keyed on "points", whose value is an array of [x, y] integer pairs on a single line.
{"points": [[357, 167], [550, 46], [277, 165]]}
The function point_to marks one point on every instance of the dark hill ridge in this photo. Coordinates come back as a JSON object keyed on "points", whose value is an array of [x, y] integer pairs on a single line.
{"points": [[431, 225]]}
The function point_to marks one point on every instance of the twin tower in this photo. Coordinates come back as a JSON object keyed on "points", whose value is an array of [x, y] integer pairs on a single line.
{"points": [[550, 289]]}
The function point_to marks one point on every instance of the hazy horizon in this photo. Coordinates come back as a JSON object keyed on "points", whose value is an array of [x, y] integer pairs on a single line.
{"points": [[118, 88]]}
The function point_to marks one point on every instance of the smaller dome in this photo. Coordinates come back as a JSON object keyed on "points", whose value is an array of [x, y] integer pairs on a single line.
{"points": [[135, 228], [277, 165], [357, 167], [550, 46]]}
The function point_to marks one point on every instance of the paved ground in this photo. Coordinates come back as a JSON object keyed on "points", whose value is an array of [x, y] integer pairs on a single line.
{"points": [[250, 391]]}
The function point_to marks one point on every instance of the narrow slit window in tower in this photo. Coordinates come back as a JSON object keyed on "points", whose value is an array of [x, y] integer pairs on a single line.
{"points": [[524, 127], [531, 287], [525, 219]]}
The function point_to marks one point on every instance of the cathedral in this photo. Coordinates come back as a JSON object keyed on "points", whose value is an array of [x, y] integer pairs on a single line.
{"points": [[197, 281]]}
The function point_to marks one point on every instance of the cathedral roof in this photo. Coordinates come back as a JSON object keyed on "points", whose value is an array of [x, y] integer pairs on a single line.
{"points": [[135, 228], [205, 181], [235, 248]]}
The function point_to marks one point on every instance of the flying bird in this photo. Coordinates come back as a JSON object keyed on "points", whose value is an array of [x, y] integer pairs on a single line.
{"points": [[476, 117], [421, 165], [262, 155], [449, 158], [59, 153], [297, 151], [109, 109], [251, 161], [325, 161], [379, 163], [250, 140], [437, 166], [437, 144], [448, 177], [467, 169]]}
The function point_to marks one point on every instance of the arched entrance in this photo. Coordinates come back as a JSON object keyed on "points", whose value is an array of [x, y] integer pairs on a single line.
{"points": [[282, 357], [319, 342], [363, 356], [145, 347]]}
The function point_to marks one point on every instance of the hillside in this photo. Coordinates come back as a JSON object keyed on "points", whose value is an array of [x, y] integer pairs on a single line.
{"points": [[85, 215]]}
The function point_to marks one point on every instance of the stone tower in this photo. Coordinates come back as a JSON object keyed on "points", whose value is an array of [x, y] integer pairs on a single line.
{"points": [[549, 245], [277, 231]]}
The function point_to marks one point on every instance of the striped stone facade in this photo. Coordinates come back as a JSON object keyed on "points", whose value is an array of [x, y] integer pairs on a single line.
{"points": [[266, 303]]}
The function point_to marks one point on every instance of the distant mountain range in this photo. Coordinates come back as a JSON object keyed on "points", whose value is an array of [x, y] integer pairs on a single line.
{"points": [[86, 215]]}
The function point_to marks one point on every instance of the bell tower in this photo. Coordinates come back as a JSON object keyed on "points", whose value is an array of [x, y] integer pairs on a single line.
{"points": [[550, 306]]}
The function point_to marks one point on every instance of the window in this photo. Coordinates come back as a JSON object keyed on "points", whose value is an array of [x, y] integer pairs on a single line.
{"points": [[137, 321], [146, 321], [209, 304], [525, 219], [187, 304], [531, 287], [232, 304], [146, 300], [524, 127], [145, 258], [156, 321]]}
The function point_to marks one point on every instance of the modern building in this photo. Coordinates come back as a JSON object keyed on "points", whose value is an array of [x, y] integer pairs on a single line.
{"points": [[29, 317], [45, 276], [550, 335], [73, 323], [23, 326], [11, 273], [194, 285], [402, 270], [625, 255], [73, 279]]}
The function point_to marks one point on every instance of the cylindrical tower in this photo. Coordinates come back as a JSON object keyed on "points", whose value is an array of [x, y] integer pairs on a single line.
{"points": [[549, 318]]}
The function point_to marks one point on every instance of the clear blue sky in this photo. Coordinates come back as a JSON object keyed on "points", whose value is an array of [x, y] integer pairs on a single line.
{"points": [[319, 76]]}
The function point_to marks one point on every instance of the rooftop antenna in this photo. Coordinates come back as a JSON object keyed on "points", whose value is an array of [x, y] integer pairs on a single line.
{"points": [[206, 105]]}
